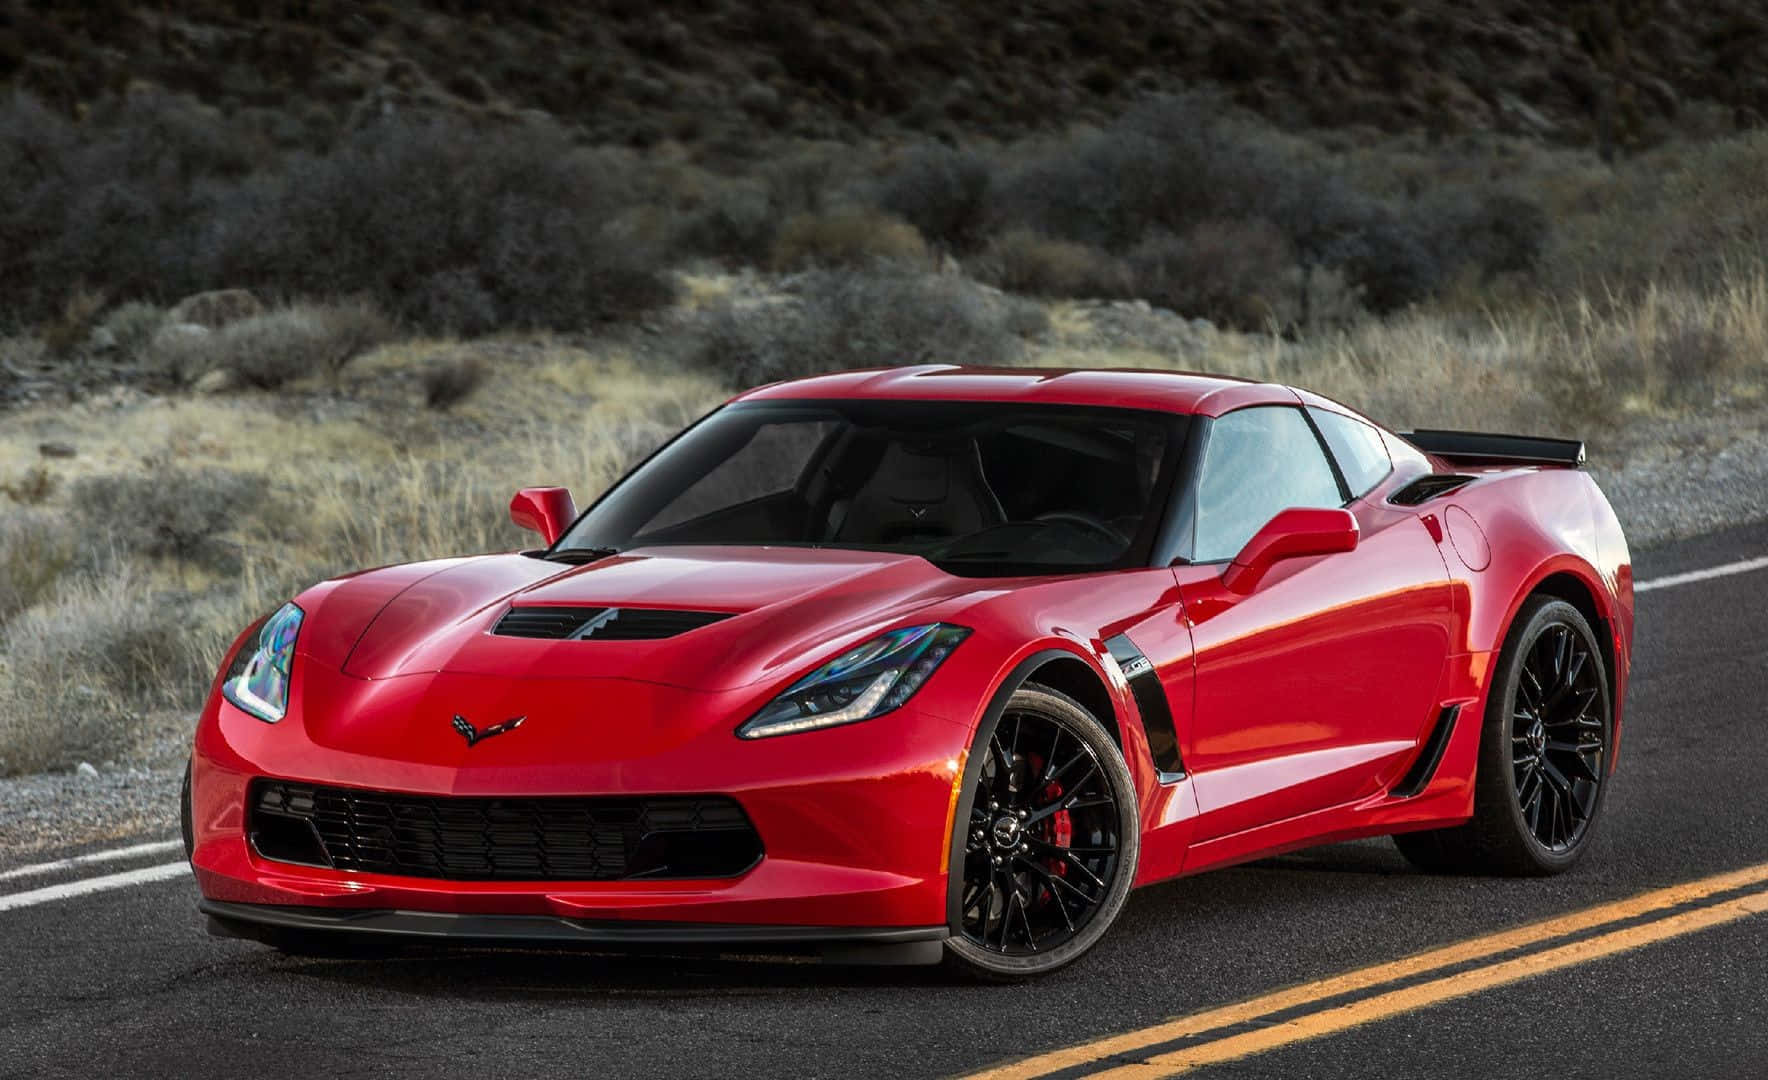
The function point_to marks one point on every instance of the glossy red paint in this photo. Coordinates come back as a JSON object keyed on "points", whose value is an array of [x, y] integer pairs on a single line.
{"points": [[1302, 677], [548, 511], [1291, 534]]}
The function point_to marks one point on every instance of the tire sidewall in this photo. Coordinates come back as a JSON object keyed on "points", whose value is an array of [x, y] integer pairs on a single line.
{"points": [[1077, 719]]}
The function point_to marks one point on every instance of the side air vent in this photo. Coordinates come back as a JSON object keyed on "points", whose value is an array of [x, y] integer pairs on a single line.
{"points": [[1157, 717], [601, 624], [1426, 488], [1424, 768]]}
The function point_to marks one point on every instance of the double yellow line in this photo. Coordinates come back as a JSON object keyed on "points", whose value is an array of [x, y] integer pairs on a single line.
{"points": [[1674, 917]]}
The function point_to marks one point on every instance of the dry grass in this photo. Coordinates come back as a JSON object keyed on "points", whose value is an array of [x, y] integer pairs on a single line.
{"points": [[107, 643], [99, 637]]}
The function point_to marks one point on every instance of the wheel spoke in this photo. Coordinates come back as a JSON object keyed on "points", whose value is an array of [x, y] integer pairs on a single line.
{"points": [[1018, 872], [1573, 756]]}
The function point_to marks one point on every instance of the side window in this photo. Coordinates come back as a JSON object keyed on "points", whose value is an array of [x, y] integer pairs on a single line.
{"points": [[1258, 462], [1358, 448]]}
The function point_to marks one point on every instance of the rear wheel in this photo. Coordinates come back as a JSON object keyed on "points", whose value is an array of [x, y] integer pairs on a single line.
{"points": [[1050, 844], [1544, 753]]}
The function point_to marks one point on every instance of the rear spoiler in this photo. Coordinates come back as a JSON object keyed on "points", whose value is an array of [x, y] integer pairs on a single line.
{"points": [[1478, 448]]}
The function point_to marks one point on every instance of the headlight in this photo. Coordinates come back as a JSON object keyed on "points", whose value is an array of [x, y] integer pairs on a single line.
{"points": [[859, 684], [258, 679]]}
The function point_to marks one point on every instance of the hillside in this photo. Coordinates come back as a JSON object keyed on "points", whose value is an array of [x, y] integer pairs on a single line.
{"points": [[722, 75]]}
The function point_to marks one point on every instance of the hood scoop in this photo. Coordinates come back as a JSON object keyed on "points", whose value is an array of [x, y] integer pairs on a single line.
{"points": [[558, 623]]}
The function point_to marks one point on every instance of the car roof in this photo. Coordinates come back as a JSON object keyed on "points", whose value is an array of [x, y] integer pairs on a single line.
{"points": [[1186, 392]]}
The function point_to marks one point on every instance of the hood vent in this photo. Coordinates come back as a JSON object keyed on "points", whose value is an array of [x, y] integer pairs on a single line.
{"points": [[601, 624]]}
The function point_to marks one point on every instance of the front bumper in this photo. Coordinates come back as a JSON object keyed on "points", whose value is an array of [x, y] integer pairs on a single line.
{"points": [[877, 945], [855, 822]]}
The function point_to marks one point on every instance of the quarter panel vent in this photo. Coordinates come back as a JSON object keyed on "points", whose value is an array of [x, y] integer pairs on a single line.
{"points": [[1426, 488]]}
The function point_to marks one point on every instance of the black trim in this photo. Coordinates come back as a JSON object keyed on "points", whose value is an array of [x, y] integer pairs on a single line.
{"points": [[1479, 446], [241, 920], [1428, 487], [997, 706], [1423, 770], [1177, 539], [1150, 695], [1345, 498]]}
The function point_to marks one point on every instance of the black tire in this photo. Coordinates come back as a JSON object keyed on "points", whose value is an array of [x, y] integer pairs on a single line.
{"points": [[1543, 758], [1054, 832], [184, 815]]}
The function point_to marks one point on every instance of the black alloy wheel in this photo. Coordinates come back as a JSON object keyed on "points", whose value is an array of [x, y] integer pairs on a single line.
{"points": [[1558, 744], [1051, 840], [1544, 753]]}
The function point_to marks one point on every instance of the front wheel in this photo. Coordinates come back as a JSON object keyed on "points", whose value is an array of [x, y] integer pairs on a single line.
{"points": [[1050, 844], [1543, 756]]}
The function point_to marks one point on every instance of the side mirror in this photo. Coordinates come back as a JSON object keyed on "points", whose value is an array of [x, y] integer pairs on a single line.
{"points": [[1293, 533], [548, 511]]}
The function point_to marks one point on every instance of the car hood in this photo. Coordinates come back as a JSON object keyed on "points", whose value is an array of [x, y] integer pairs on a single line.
{"points": [[780, 606]]}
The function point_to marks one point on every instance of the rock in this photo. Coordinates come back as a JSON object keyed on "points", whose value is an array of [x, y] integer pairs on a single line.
{"points": [[56, 449], [213, 382], [86, 771], [212, 310]]}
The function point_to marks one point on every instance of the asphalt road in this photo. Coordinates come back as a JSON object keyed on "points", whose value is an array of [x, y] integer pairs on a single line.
{"points": [[125, 982]]}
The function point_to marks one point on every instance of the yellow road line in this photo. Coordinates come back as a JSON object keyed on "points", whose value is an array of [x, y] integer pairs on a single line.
{"points": [[1418, 964], [1411, 998]]}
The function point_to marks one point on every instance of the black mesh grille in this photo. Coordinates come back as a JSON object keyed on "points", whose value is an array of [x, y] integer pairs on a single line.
{"points": [[544, 622], [602, 624], [501, 839]]}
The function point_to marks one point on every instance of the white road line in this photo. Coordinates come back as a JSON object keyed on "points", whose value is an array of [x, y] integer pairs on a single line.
{"points": [[159, 847], [70, 889], [1710, 572]]}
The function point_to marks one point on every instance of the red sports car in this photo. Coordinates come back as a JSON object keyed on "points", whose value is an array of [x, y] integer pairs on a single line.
{"points": [[931, 663]]}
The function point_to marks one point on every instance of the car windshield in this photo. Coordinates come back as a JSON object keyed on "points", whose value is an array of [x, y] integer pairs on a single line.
{"points": [[978, 488]]}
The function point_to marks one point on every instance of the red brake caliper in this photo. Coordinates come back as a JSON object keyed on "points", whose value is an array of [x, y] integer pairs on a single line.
{"points": [[1061, 829]]}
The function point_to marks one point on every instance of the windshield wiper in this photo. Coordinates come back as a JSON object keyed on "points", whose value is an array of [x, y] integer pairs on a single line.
{"points": [[579, 556]]}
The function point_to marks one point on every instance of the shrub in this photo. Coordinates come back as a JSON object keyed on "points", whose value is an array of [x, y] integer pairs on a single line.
{"points": [[450, 382], [133, 326], [35, 549], [79, 670], [845, 238], [736, 221], [155, 199], [524, 227], [851, 319], [79, 314], [1235, 273], [276, 348], [32, 488], [941, 192], [171, 512], [1021, 261], [112, 203]]}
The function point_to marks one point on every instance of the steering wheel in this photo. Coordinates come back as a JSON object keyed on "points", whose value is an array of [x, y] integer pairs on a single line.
{"points": [[1087, 522]]}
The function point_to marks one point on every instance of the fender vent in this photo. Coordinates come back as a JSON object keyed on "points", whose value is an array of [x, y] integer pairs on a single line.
{"points": [[601, 624], [1426, 488], [1150, 695], [1423, 770]]}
